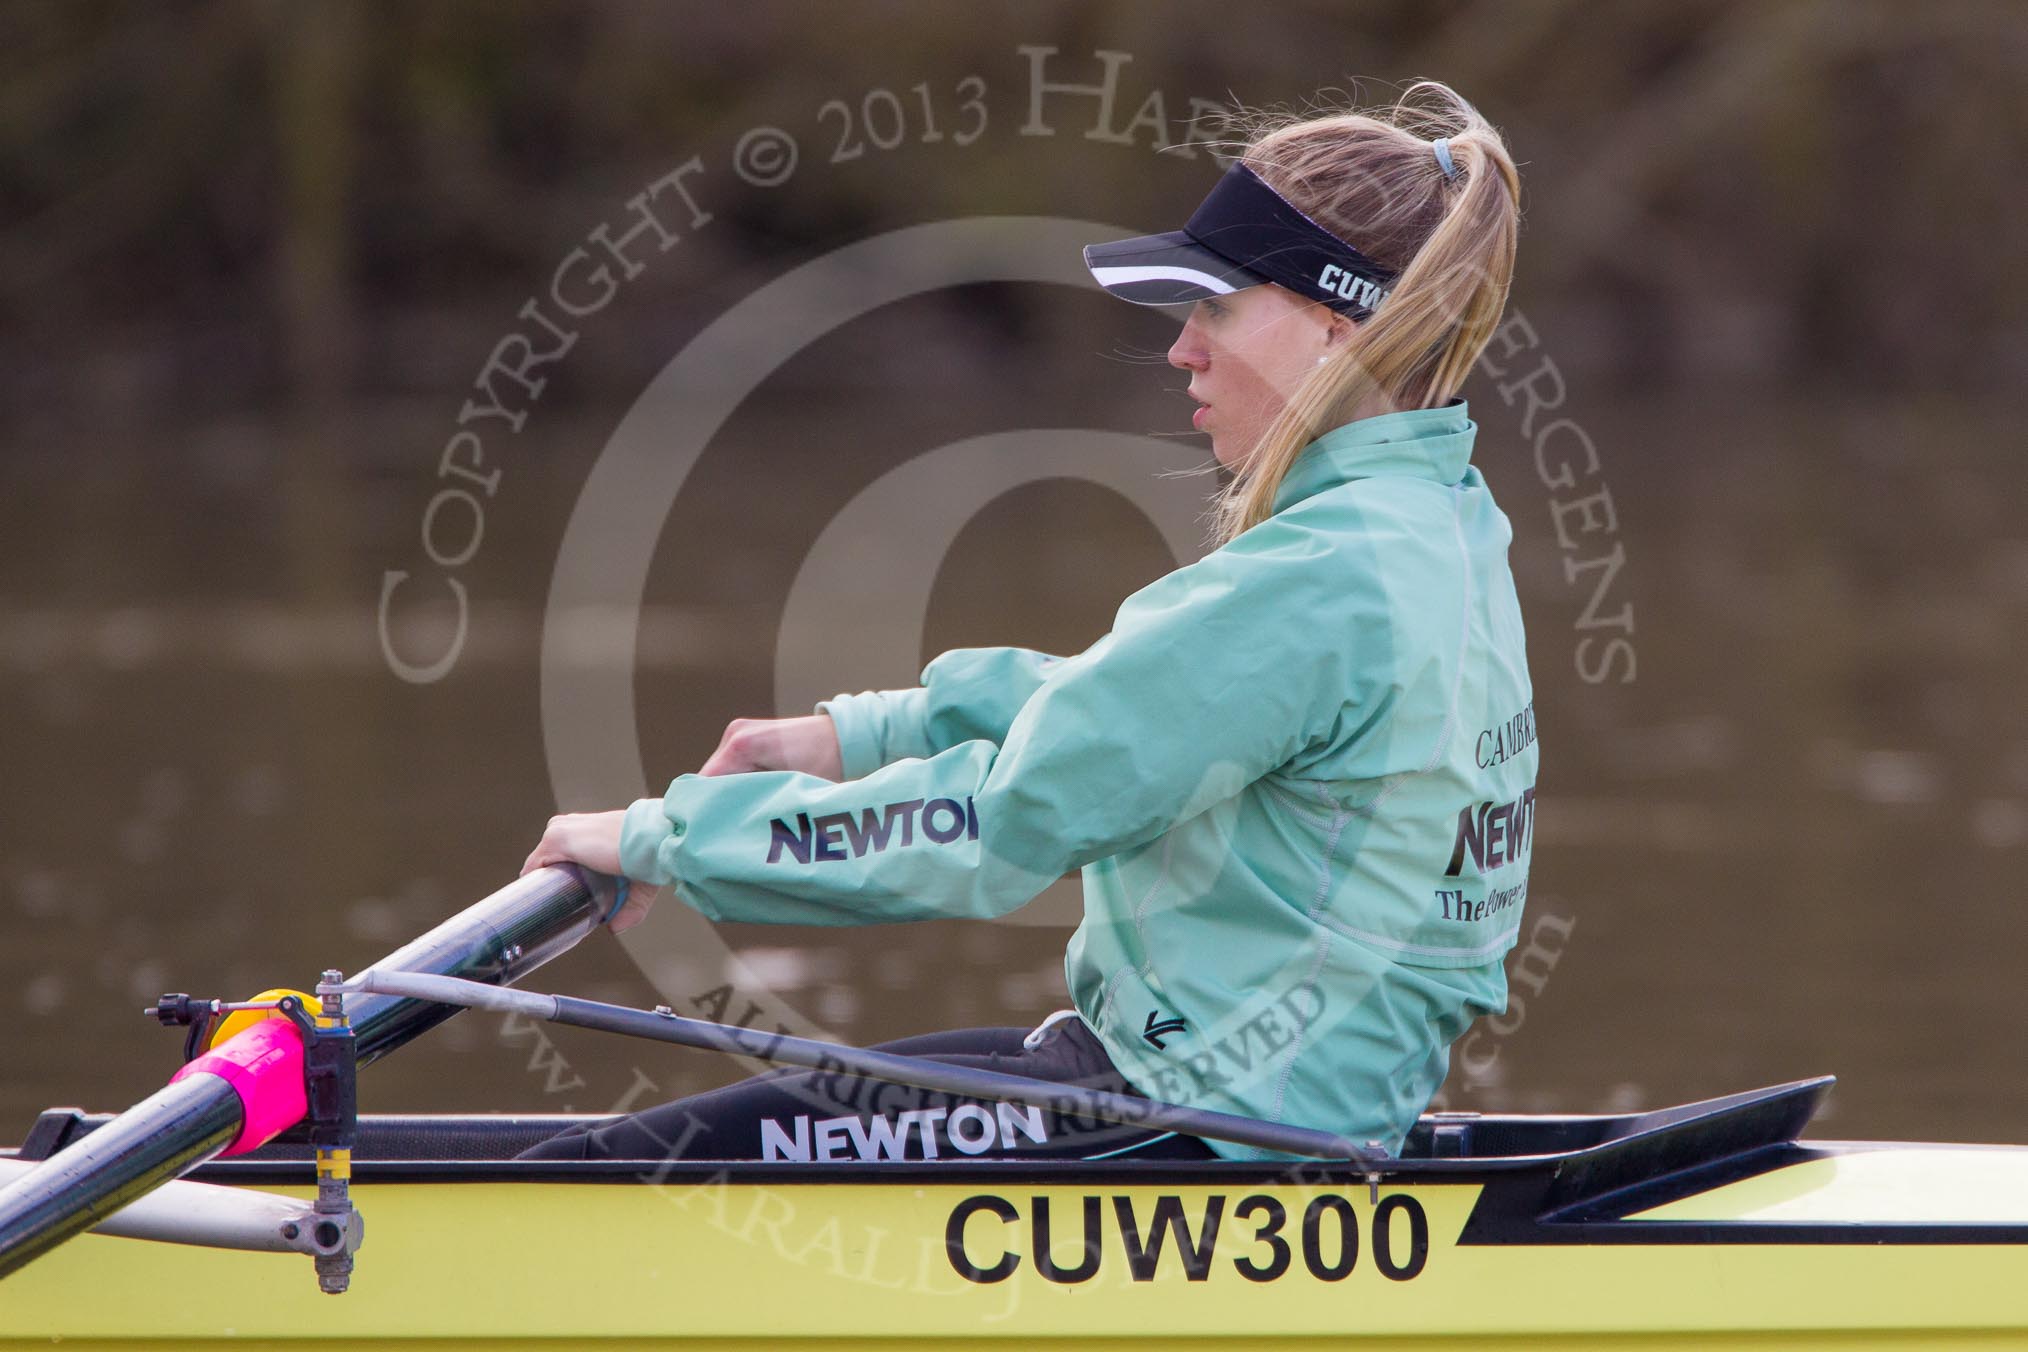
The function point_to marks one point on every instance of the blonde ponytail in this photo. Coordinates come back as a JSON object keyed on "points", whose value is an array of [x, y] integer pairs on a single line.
{"points": [[1375, 180]]}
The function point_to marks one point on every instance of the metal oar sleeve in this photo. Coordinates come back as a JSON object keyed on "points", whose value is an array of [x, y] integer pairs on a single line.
{"points": [[171, 1132], [909, 1070]]}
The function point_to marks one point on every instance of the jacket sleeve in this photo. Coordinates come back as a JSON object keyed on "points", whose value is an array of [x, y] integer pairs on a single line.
{"points": [[1211, 677], [968, 694]]}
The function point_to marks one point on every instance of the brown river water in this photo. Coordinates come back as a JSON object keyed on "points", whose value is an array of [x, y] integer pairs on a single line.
{"points": [[1790, 844]]}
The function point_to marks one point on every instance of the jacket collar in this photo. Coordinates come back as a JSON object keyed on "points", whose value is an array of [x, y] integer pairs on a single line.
{"points": [[1421, 443]]}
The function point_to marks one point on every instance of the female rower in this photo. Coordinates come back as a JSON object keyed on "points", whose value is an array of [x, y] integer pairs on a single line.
{"points": [[1298, 774]]}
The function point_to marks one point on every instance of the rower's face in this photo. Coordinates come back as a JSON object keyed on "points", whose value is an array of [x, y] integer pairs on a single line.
{"points": [[1246, 353]]}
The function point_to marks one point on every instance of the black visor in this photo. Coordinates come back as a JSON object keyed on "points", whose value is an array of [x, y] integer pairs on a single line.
{"points": [[1243, 234]]}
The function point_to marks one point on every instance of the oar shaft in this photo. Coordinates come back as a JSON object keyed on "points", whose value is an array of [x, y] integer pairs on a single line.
{"points": [[165, 1135], [918, 1072], [498, 939]]}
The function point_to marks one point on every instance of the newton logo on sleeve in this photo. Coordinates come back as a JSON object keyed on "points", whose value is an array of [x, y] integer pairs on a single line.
{"points": [[837, 836]]}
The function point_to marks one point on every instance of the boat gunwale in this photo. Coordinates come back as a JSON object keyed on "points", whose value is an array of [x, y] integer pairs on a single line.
{"points": [[1509, 1211]]}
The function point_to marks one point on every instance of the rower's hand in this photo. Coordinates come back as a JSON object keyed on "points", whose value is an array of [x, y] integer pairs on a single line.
{"points": [[593, 840], [806, 744]]}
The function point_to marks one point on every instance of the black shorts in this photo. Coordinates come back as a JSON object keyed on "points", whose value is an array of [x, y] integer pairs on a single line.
{"points": [[818, 1116]]}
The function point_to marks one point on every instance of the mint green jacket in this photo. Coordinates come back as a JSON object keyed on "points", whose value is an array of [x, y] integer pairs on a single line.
{"points": [[1298, 776]]}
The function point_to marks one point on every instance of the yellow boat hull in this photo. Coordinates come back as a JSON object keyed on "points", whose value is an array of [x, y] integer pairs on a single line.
{"points": [[1706, 1225], [700, 1263]]}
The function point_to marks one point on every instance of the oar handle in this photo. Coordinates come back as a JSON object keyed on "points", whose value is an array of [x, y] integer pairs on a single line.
{"points": [[496, 941]]}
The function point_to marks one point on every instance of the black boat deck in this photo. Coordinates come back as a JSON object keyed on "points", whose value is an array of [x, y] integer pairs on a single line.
{"points": [[1578, 1160]]}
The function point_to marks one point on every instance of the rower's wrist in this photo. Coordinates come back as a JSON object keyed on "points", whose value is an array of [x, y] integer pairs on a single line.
{"points": [[644, 831], [876, 728], [855, 722]]}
